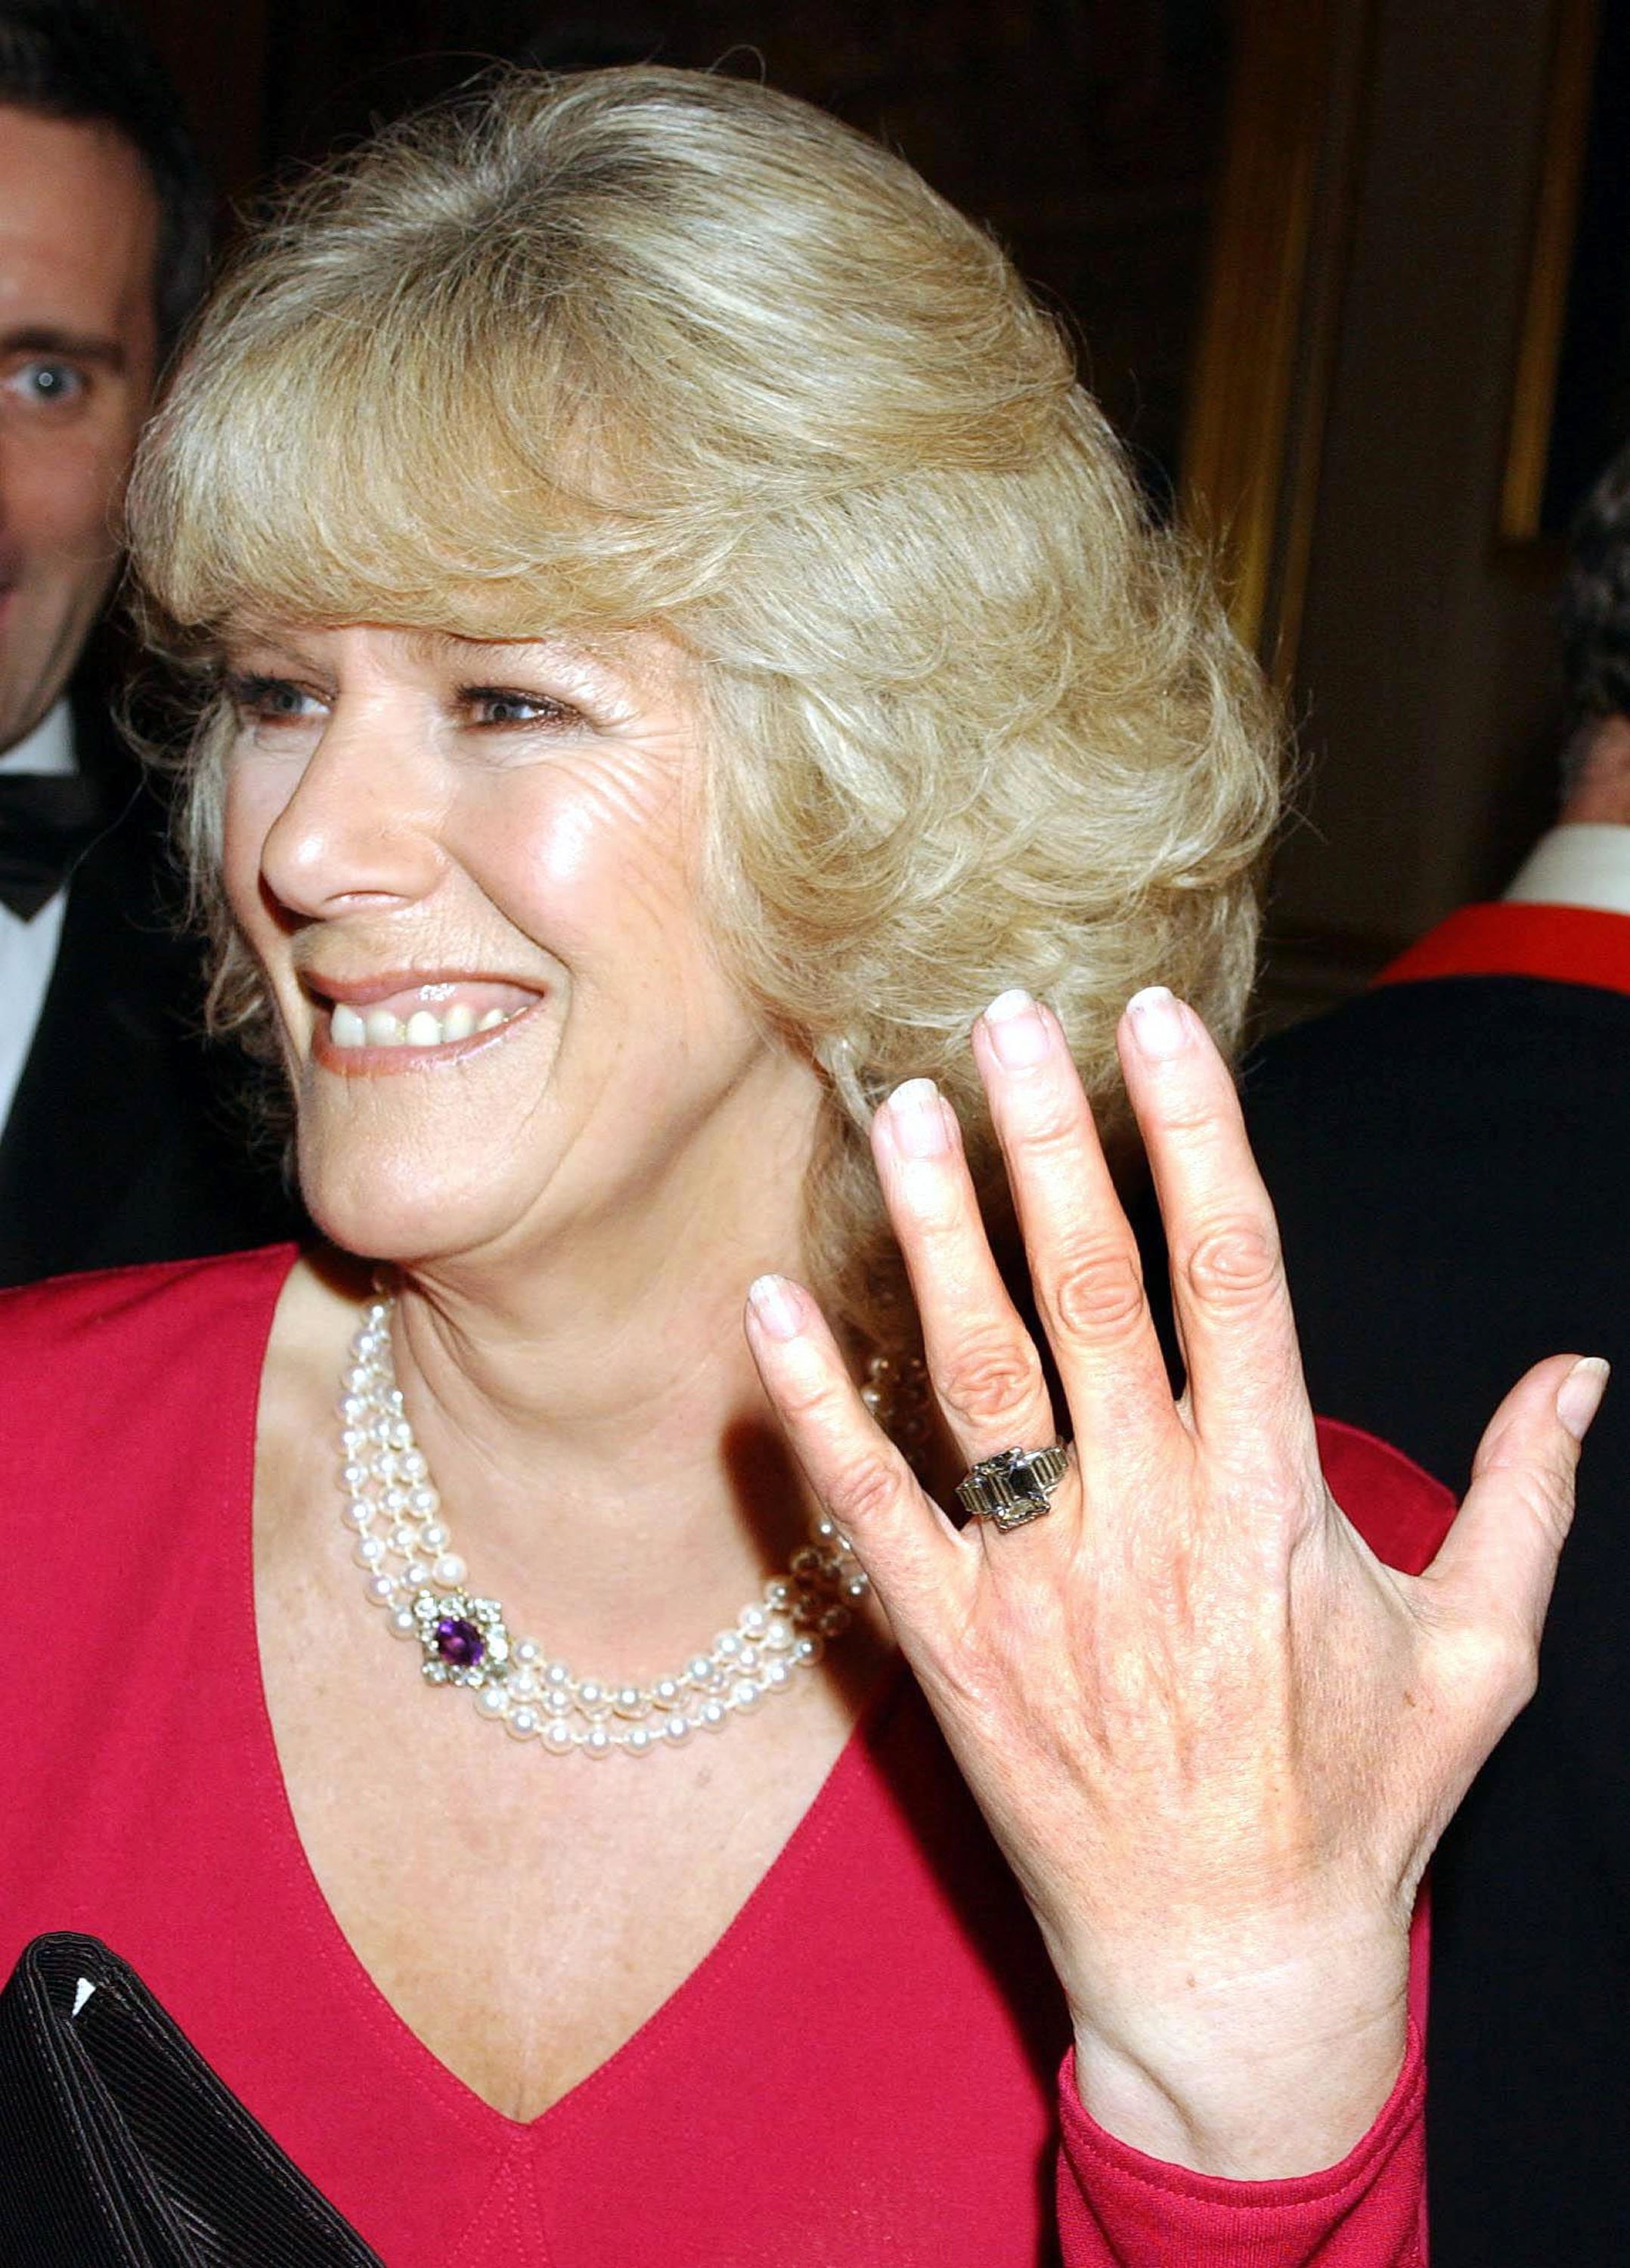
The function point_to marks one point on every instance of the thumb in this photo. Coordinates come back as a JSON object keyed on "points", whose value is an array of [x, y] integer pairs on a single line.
{"points": [[1498, 1561]]}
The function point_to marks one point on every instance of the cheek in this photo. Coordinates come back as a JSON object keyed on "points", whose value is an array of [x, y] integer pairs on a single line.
{"points": [[250, 805], [60, 491], [604, 853]]}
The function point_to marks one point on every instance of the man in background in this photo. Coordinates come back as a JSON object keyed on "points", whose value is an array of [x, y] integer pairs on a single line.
{"points": [[1451, 1158], [113, 1139]]}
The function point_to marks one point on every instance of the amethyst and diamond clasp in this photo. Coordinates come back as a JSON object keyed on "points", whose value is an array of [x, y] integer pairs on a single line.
{"points": [[463, 1639]]}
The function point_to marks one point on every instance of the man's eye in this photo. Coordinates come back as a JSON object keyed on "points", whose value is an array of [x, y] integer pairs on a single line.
{"points": [[46, 385]]}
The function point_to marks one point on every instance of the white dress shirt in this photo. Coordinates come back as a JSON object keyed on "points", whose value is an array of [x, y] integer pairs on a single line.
{"points": [[1582, 864], [28, 948]]}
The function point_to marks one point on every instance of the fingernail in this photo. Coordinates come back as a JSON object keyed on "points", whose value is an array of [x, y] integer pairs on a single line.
{"points": [[1157, 1025], [1579, 1397], [779, 1305], [1017, 1029], [918, 1118]]}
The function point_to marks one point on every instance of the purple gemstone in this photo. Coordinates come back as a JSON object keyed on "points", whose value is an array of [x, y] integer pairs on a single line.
{"points": [[459, 1642]]}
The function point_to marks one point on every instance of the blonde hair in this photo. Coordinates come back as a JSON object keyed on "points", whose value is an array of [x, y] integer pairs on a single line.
{"points": [[652, 347]]}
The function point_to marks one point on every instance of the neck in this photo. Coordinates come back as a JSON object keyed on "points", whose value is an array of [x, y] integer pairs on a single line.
{"points": [[607, 1461]]}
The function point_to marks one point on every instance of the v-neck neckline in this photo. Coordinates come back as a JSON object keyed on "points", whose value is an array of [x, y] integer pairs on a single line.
{"points": [[339, 1959]]}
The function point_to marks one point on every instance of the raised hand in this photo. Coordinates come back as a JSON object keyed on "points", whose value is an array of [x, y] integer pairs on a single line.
{"points": [[1215, 1737]]}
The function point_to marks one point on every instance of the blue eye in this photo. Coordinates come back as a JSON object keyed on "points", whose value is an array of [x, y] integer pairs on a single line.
{"points": [[499, 705], [47, 384], [271, 700]]}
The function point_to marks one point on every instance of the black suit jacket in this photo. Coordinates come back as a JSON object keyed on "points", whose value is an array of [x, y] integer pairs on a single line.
{"points": [[125, 1141], [1450, 1160]]}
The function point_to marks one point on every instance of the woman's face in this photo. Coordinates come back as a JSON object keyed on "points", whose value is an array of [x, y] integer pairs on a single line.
{"points": [[468, 870]]}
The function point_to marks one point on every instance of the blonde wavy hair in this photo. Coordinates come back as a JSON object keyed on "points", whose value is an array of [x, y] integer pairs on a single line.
{"points": [[650, 348]]}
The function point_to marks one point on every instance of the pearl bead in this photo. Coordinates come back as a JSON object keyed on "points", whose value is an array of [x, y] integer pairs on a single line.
{"points": [[394, 1508]]}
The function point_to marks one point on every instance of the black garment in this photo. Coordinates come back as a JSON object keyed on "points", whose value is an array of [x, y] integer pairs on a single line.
{"points": [[1451, 1164], [122, 1143]]}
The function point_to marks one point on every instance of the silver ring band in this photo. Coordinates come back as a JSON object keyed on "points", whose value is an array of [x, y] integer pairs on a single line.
{"points": [[1015, 1486]]}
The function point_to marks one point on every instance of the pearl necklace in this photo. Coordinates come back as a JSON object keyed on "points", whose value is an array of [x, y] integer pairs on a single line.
{"points": [[413, 1573]]}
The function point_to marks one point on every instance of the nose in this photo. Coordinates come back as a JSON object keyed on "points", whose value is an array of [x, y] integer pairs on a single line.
{"points": [[358, 829]]}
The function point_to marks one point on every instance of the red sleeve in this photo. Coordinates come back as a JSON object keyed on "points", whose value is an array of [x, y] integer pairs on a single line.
{"points": [[1120, 2209]]}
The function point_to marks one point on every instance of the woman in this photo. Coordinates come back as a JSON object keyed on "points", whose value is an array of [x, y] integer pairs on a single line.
{"points": [[674, 644]]}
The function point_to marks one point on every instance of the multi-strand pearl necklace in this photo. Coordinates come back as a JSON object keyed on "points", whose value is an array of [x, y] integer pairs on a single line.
{"points": [[414, 1574]]}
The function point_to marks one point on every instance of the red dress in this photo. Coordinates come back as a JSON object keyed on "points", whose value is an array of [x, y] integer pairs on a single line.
{"points": [[864, 2070]]}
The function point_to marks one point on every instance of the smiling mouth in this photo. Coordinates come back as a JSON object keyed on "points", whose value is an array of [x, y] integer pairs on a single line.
{"points": [[419, 1019]]}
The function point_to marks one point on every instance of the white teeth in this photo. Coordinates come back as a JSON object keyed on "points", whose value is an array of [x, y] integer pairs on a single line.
{"points": [[378, 1027]]}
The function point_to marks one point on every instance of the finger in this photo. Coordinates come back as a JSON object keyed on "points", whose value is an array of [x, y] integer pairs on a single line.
{"points": [[1229, 1296], [1498, 1562], [984, 1370], [902, 1540], [1083, 1258]]}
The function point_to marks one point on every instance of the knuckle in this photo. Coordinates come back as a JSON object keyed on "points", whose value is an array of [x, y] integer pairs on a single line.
{"points": [[1507, 1666], [1234, 1264], [864, 1490], [1096, 1293], [986, 1381]]}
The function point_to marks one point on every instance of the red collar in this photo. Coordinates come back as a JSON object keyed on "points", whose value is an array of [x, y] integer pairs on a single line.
{"points": [[1570, 944]]}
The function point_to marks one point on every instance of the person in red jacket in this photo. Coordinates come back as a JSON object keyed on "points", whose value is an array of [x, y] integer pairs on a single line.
{"points": [[1446, 1156], [698, 743]]}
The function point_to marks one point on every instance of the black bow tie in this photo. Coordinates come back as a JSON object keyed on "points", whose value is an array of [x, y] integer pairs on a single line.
{"points": [[47, 820]]}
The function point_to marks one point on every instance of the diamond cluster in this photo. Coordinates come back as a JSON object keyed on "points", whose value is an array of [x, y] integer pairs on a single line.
{"points": [[414, 1575]]}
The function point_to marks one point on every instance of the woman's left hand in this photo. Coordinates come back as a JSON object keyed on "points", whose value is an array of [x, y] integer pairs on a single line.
{"points": [[1215, 1737]]}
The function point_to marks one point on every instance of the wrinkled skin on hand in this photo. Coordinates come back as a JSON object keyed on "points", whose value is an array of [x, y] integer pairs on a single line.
{"points": [[1215, 1737]]}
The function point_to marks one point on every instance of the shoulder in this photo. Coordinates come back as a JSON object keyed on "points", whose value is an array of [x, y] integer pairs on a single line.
{"points": [[1455, 1047], [81, 1353]]}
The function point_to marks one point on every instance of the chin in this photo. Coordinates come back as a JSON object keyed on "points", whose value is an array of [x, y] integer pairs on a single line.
{"points": [[385, 1208]]}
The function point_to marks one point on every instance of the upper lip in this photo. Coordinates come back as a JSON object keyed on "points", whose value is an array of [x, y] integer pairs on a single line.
{"points": [[363, 991]]}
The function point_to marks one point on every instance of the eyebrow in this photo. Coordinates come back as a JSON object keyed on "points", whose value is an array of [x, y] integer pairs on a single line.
{"points": [[73, 346]]}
